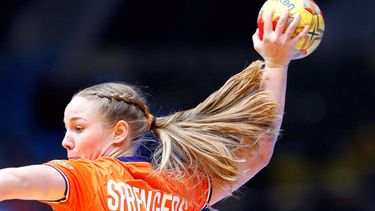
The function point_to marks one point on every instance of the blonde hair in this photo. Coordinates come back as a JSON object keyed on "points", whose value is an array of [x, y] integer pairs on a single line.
{"points": [[201, 141]]}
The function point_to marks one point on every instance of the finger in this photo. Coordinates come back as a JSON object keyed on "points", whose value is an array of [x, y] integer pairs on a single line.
{"points": [[302, 34], [293, 26], [282, 21], [268, 21]]}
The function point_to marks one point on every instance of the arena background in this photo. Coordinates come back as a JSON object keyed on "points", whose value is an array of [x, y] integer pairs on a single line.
{"points": [[179, 52]]}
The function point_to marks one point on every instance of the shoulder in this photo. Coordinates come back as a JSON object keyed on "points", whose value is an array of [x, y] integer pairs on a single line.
{"points": [[132, 164]]}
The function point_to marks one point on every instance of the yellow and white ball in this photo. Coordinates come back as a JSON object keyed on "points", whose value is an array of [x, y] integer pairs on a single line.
{"points": [[310, 15]]}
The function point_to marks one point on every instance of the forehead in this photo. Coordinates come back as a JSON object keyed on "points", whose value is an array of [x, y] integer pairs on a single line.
{"points": [[80, 107]]}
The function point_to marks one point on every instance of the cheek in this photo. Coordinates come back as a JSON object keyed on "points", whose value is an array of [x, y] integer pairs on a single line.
{"points": [[92, 141], [88, 141]]}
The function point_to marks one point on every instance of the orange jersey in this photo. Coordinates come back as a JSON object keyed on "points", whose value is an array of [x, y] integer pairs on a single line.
{"points": [[125, 184]]}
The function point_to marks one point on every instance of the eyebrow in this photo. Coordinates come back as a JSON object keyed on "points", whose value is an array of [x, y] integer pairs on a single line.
{"points": [[75, 118]]}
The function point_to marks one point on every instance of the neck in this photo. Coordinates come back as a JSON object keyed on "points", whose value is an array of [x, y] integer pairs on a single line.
{"points": [[121, 153], [118, 151]]}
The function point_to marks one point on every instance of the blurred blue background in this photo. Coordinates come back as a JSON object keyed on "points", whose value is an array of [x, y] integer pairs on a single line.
{"points": [[179, 52]]}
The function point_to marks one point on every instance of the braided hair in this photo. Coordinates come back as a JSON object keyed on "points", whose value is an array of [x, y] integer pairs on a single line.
{"points": [[119, 101]]}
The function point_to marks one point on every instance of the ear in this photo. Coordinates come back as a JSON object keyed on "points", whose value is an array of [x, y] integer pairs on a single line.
{"points": [[121, 131]]}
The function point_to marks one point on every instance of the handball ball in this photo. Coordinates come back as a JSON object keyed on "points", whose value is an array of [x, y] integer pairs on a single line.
{"points": [[310, 15]]}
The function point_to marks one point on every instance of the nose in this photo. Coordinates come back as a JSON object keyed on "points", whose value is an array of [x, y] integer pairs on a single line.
{"points": [[67, 142]]}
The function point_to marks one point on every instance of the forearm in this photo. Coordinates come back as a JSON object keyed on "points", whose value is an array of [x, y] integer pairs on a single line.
{"points": [[275, 82], [9, 183], [37, 182]]}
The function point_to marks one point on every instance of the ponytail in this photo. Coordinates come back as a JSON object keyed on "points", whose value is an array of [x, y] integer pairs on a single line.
{"points": [[204, 140]]}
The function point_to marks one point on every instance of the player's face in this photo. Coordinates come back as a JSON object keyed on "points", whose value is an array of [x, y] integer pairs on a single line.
{"points": [[87, 134]]}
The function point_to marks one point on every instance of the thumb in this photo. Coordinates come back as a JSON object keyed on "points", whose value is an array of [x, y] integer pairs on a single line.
{"points": [[256, 39]]}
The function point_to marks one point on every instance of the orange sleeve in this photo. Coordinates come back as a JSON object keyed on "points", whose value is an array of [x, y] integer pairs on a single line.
{"points": [[82, 184]]}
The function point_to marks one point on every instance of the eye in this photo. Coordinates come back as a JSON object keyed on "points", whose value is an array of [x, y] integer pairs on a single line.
{"points": [[78, 128]]}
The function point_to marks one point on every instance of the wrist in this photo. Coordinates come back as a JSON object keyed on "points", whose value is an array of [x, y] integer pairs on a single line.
{"points": [[275, 65]]}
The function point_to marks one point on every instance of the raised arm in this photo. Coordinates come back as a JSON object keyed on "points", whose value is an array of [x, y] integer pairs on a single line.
{"points": [[275, 48], [36, 182]]}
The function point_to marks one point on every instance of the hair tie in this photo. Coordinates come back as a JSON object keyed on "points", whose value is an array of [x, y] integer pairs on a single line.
{"points": [[151, 121]]}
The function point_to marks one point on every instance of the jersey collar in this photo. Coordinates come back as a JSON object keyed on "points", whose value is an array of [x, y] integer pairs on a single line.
{"points": [[134, 159]]}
